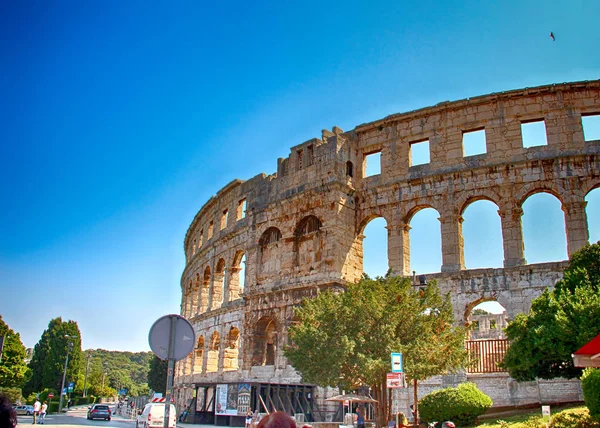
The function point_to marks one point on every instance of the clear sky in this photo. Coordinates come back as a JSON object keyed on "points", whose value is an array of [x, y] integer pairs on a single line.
{"points": [[119, 120]]}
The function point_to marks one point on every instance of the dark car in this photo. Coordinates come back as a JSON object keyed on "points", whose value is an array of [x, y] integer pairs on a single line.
{"points": [[99, 411]]}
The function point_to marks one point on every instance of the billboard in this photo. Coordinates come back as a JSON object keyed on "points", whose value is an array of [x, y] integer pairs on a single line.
{"points": [[232, 399]]}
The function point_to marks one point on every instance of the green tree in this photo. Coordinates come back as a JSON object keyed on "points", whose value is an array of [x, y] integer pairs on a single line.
{"points": [[560, 322], [157, 376], [345, 339], [13, 370], [49, 356]]}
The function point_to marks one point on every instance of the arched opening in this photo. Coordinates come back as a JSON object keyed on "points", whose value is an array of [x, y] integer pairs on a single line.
{"points": [[237, 276], [592, 211], [308, 245], [269, 250], [199, 355], [264, 343], [544, 234], [212, 360], [425, 241], [349, 169], [375, 248], [482, 234], [230, 357], [485, 320]]}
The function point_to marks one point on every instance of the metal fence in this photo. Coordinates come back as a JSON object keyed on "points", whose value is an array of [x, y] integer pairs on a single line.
{"points": [[485, 355]]}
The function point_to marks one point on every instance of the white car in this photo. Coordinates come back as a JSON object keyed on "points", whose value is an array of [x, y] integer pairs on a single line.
{"points": [[153, 416]]}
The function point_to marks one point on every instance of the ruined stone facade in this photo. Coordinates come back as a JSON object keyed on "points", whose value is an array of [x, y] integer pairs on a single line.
{"points": [[300, 229]]}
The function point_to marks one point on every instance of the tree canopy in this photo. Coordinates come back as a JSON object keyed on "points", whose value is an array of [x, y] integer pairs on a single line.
{"points": [[560, 322], [157, 377], [13, 370], [50, 353], [344, 339]]}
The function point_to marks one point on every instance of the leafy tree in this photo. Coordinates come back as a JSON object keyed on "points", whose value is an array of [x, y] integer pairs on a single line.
{"points": [[13, 370], [560, 322], [157, 377], [345, 339], [49, 356], [480, 312]]}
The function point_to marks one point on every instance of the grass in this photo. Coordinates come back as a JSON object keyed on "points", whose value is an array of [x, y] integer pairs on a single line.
{"points": [[524, 418]]}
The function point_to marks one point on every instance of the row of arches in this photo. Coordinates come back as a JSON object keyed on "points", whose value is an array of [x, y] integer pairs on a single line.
{"points": [[217, 354], [485, 235], [211, 289]]}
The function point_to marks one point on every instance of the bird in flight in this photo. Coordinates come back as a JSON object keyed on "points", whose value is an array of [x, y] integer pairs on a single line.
{"points": [[552, 36]]}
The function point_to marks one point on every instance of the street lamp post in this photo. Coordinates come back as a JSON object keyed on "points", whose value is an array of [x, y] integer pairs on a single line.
{"points": [[62, 387], [87, 367]]}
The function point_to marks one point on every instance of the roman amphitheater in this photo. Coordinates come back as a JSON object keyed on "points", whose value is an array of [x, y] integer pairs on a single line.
{"points": [[258, 247]]}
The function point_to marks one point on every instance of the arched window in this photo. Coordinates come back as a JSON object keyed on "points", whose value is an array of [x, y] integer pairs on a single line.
{"points": [[375, 247], [270, 236], [219, 283], [544, 233], [237, 276], [308, 225], [425, 241], [482, 233], [264, 343], [269, 252]]}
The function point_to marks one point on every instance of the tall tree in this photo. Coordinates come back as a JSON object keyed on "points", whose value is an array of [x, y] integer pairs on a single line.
{"points": [[345, 339], [13, 370], [560, 322], [50, 353], [157, 376]]}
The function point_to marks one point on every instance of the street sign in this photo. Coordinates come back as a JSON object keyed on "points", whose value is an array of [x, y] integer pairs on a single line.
{"points": [[396, 362], [50, 395], [71, 386], [184, 337], [395, 380], [64, 391]]}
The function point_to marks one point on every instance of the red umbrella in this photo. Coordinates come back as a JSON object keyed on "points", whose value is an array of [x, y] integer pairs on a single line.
{"points": [[589, 354]]}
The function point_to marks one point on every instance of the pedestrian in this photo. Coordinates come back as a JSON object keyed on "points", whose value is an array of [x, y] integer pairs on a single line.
{"points": [[36, 410], [69, 404], [248, 419], [256, 418], [186, 412], [8, 416], [415, 413], [43, 411], [360, 417]]}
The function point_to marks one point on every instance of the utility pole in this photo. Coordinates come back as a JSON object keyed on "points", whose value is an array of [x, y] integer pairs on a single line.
{"points": [[62, 387], [87, 367]]}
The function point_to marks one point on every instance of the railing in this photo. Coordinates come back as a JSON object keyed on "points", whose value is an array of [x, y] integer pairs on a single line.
{"points": [[485, 355]]}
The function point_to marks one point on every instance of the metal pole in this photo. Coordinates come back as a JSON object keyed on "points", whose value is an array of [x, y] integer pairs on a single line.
{"points": [[87, 367], [171, 364], [62, 387]]}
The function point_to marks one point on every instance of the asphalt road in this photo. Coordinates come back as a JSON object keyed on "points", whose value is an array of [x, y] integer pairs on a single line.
{"points": [[77, 418]]}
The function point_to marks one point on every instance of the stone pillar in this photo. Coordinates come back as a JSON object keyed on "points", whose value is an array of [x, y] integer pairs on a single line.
{"points": [[233, 284], [217, 290], [399, 249], [204, 295], [576, 225], [453, 258], [512, 236]]}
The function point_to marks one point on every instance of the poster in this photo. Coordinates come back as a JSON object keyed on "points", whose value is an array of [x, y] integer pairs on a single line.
{"points": [[232, 399], [243, 400], [200, 394]]}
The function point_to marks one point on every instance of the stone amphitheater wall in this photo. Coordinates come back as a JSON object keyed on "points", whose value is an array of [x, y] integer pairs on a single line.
{"points": [[300, 229]]}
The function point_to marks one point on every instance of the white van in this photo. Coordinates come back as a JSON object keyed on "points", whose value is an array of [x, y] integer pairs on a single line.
{"points": [[153, 416]]}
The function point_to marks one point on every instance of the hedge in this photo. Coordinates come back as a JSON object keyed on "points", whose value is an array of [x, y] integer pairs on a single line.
{"points": [[590, 383], [461, 405]]}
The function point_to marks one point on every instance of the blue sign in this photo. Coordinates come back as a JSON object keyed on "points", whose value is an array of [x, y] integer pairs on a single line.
{"points": [[71, 386], [64, 391], [396, 362]]}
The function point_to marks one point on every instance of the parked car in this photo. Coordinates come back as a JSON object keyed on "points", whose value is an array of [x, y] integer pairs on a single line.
{"points": [[99, 411], [24, 410], [153, 416]]}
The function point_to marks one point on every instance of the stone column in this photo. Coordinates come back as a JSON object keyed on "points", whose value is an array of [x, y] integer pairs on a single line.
{"points": [[453, 258], [233, 283], [217, 290], [204, 294], [576, 225], [512, 236], [399, 249]]}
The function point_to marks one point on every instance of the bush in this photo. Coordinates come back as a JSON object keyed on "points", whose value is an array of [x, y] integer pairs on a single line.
{"points": [[590, 383], [461, 405], [573, 418]]}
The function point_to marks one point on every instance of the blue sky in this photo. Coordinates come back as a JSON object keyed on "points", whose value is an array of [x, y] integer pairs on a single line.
{"points": [[120, 119]]}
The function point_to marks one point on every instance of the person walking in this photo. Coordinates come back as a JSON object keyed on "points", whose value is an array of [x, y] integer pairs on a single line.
{"points": [[360, 419], [36, 410], [43, 411], [248, 419]]}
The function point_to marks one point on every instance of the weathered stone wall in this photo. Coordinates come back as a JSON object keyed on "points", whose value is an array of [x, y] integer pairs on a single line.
{"points": [[301, 229]]}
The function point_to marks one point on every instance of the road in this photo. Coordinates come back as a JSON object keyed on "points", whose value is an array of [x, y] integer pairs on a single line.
{"points": [[77, 418]]}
